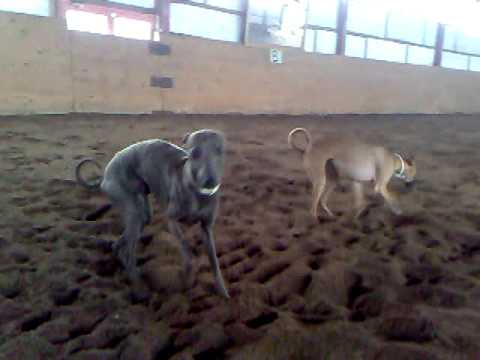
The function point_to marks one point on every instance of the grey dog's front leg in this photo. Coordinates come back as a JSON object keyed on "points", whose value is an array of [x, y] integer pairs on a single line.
{"points": [[176, 230], [147, 210], [209, 242]]}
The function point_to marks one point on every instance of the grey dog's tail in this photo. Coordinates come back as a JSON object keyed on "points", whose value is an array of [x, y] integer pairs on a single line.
{"points": [[295, 146], [92, 185]]}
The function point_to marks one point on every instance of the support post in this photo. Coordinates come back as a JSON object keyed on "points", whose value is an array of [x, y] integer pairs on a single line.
{"points": [[307, 12], [162, 8], [437, 59], [244, 29], [342, 11]]}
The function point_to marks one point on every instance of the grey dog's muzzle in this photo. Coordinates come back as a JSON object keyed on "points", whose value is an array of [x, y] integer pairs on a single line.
{"points": [[201, 190]]}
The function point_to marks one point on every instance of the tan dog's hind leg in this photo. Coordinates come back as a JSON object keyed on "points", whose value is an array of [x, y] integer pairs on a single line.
{"points": [[318, 191], [327, 190], [360, 204], [317, 186], [331, 183]]}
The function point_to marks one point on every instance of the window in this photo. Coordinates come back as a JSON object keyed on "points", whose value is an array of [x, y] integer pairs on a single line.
{"points": [[468, 43], [457, 40], [323, 13], [86, 21], [454, 61], [366, 19], [430, 33], [227, 4], [474, 63], [132, 28], [192, 20], [418, 55], [321, 41], [386, 50], [265, 13], [407, 28], [449, 42], [277, 22], [397, 24], [31, 7], [309, 45], [140, 3], [355, 46]]}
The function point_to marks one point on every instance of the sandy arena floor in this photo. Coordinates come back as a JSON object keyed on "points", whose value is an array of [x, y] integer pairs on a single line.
{"points": [[383, 287]]}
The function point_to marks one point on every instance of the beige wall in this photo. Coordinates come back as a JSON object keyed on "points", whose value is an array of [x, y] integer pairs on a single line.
{"points": [[50, 70], [112, 75], [34, 65]]}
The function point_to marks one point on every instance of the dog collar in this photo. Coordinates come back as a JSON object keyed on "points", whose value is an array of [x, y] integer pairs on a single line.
{"points": [[400, 174], [209, 192]]}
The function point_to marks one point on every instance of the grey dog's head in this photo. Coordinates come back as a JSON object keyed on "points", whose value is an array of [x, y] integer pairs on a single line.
{"points": [[205, 162]]}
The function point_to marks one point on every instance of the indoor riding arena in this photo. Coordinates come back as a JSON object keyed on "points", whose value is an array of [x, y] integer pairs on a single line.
{"points": [[389, 95]]}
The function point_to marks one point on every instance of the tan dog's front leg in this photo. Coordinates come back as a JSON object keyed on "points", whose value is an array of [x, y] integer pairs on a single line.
{"points": [[384, 175], [360, 204], [389, 198]]}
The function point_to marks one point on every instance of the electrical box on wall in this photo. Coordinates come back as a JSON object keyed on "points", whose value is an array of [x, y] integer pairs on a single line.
{"points": [[161, 82], [276, 56], [159, 49]]}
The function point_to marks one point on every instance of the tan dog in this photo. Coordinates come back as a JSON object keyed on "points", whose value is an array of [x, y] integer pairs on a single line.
{"points": [[332, 158]]}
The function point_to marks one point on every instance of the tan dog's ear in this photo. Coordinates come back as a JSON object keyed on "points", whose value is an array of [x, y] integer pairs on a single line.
{"points": [[185, 138], [410, 160]]}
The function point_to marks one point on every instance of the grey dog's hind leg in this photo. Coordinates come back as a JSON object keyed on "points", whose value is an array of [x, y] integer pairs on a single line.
{"points": [[133, 216], [125, 247], [176, 230], [209, 243]]}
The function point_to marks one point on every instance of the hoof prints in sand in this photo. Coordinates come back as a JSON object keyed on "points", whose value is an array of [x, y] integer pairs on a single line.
{"points": [[374, 287]]}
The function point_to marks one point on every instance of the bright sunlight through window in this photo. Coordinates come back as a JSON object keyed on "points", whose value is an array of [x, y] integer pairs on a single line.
{"points": [[462, 14], [131, 28], [86, 21]]}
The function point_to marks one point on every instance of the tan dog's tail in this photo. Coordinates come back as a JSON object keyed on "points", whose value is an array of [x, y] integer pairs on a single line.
{"points": [[92, 185], [294, 146]]}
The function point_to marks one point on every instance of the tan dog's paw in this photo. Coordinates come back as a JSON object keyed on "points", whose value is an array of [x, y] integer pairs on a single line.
{"points": [[359, 214], [325, 218], [396, 210], [329, 213]]}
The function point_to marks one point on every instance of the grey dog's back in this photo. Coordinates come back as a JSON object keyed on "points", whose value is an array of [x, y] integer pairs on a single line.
{"points": [[147, 162]]}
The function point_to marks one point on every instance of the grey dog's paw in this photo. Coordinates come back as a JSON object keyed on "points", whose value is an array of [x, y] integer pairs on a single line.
{"points": [[225, 294], [140, 296], [222, 291], [105, 246], [120, 252]]}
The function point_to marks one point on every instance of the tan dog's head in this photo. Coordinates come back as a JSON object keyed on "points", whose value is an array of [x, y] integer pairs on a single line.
{"points": [[410, 170]]}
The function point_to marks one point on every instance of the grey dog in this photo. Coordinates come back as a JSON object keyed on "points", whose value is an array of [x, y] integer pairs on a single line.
{"points": [[184, 181]]}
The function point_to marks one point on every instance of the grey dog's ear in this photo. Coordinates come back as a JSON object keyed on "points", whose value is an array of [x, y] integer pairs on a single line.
{"points": [[182, 161], [177, 165], [185, 138]]}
